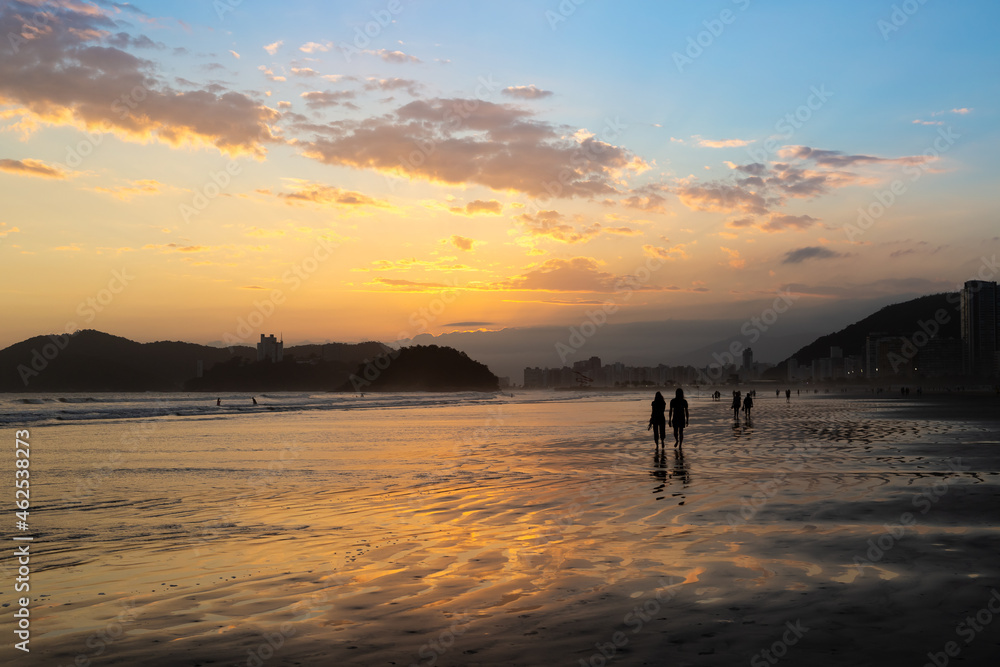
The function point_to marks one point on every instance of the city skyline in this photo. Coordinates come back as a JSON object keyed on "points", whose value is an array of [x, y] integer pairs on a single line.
{"points": [[387, 170]]}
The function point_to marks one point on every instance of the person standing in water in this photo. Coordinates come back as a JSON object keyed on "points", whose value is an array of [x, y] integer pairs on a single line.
{"points": [[678, 416], [747, 405], [658, 420], [737, 404]]}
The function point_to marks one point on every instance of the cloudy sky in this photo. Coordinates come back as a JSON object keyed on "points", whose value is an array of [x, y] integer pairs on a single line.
{"points": [[210, 171]]}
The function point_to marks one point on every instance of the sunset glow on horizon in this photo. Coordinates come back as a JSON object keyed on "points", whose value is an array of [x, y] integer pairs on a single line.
{"points": [[376, 170]]}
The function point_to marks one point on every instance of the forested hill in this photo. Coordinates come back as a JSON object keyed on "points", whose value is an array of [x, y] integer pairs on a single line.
{"points": [[423, 368], [91, 360], [901, 319]]}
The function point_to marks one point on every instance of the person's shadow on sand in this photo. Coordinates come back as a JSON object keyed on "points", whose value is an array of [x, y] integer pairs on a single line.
{"points": [[665, 475], [680, 471], [659, 470]]}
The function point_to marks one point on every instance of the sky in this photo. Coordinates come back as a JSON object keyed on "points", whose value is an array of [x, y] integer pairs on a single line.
{"points": [[346, 171]]}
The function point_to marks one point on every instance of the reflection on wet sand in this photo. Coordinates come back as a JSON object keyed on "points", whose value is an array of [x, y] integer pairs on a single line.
{"points": [[541, 542]]}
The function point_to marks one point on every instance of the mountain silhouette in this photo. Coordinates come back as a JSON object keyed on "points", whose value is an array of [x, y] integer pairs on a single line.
{"points": [[900, 319], [90, 360], [422, 368]]}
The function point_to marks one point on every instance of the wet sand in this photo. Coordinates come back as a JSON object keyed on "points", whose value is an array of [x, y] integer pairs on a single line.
{"points": [[830, 531]]}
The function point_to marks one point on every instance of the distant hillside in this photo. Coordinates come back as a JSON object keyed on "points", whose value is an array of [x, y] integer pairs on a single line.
{"points": [[92, 360], [423, 368], [304, 368], [351, 353], [898, 319]]}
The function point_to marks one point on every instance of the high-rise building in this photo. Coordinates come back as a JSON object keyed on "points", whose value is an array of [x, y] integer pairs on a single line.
{"points": [[534, 378], [979, 328], [871, 353], [748, 359], [270, 348]]}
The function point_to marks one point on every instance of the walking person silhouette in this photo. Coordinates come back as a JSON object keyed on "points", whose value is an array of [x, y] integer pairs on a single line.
{"points": [[678, 416], [737, 403], [658, 420], [747, 405]]}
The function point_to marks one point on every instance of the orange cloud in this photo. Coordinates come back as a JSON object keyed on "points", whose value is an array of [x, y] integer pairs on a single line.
{"points": [[734, 258], [460, 141], [478, 206], [63, 76], [722, 198], [462, 243], [321, 99], [620, 231], [314, 47], [31, 168], [402, 285], [721, 143], [779, 222], [648, 197], [326, 195], [829, 158], [551, 224], [140, 187], [176, 247], [445, 264], [530, 92], [579, 274], [669, 254], [392, 56], [394, 83]]}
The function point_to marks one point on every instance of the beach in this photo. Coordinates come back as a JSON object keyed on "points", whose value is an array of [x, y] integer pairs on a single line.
{"points": [[539, 529]]}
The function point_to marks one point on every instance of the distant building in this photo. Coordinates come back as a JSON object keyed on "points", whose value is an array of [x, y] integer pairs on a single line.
{"points": [[534, 378], [270, 348], [748, 359], [979, 328], [940, 357], [891, 358], [592, 373], [871, 353]]}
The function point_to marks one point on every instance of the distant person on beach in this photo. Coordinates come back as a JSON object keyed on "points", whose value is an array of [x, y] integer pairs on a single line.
{"points": [[658, 420], [218, 401], [747, 405], [737, 402], [678, 416], [788, 396], [254, 399]]}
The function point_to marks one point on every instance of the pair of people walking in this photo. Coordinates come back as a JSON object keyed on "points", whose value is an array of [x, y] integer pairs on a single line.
{"points": [[741, 402], [677, 418]]}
